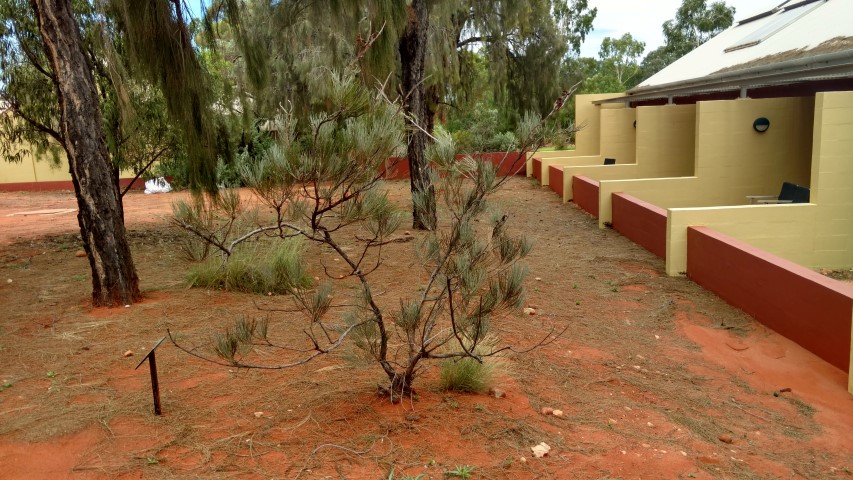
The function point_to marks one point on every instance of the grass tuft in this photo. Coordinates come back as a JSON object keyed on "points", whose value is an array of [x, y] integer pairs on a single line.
{"points": [[467, 375], [257, 271]]}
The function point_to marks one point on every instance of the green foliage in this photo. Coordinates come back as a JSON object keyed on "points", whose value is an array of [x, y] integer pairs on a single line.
{"points": [[257, 270], [461, 471], [159, 50], [467, 375], [136, 126], [695, 22], [479, 129]]}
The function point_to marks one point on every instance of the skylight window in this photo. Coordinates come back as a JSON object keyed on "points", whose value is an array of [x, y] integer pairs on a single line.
{"points": [[778, 22]]}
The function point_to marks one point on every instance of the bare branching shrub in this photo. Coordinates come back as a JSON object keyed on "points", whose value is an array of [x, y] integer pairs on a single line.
{"points": [[323, 186]]}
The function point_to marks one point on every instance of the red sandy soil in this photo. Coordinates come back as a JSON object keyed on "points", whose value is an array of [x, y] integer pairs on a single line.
{"points": [[656, 377]]}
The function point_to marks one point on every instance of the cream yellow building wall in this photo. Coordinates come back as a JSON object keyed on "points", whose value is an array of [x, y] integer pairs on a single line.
{"points": [[588, 125], [832, 180], [17, 172], [618, 135], [547, 156], [30, 169], [732, 160], [783, 230], [665, 146], [819, 234], [567, 161], [657, 191], [666, 141], [588, 121]]}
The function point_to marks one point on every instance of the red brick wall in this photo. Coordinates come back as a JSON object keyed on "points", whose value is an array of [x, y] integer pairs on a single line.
{"points": [[812, 310], [397, 168], [585, 193], [642, 222], [555, 179]]}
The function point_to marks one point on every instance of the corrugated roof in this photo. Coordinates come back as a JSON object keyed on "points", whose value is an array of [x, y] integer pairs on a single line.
{"points": [[821, 21]]}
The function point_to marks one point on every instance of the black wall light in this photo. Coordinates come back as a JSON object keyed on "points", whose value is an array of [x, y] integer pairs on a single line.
{"points": [[761, 124]]}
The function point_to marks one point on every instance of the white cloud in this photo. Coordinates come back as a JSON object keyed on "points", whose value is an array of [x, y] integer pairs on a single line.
{"points": [[644, 19]]}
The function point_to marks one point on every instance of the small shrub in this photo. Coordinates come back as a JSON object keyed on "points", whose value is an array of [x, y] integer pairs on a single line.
{"points": [[467, 375], [258, 271]]}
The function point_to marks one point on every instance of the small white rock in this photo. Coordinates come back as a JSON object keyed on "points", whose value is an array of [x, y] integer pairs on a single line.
{"points": [[9, 281], [128, 353], [529, 311], [557, 413], [259, 414], [522, 460], [649, 424], [538, 279], [540, 450], [127, 306]]}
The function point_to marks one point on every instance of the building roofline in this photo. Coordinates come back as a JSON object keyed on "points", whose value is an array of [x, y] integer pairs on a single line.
{"points": [[816, 67]]}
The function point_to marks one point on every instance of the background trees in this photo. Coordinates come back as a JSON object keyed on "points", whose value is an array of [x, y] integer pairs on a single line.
{"points": [[68, 68], [695, 22]]}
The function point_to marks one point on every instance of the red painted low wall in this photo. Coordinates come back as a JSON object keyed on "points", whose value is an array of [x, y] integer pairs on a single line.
{"points": [[507, 163], [60, 185], [585, 193], [812, 310], [555, 179], [642, 222], [537, 170]]}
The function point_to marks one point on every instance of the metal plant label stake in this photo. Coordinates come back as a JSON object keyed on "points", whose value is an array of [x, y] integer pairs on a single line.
{"points": [[152, 365]]}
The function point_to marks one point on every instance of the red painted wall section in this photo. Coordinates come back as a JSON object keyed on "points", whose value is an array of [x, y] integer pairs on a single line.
{"points": [[139, 184], [585, 191], [812, 310], [396, 168], [537, 170], [642, 222], [555, 179], [507, 163]]}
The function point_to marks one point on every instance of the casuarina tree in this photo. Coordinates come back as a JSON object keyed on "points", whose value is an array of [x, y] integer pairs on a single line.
{"points": [[323, 187]]}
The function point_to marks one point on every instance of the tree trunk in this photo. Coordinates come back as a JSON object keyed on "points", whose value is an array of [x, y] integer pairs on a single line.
{"points": [[114, 279], [413, 47]]}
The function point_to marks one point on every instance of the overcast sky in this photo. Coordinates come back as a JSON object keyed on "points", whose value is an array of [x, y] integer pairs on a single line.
{"points": [[641, 18], [644, 19]]}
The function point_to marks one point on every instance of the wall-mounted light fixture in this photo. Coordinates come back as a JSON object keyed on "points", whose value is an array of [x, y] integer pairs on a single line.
{"points": [[761, 124]]}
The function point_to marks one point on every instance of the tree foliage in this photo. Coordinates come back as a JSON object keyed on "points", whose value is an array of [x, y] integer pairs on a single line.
{"points": [[136, 128], [695, 22]]}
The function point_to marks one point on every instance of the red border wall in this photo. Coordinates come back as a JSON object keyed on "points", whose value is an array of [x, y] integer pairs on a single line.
{"points": [[400, 169], [812, 310], [642, 222], [60, 185], [585, 193], [555, 179], [537, 169], [515, 163]]}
